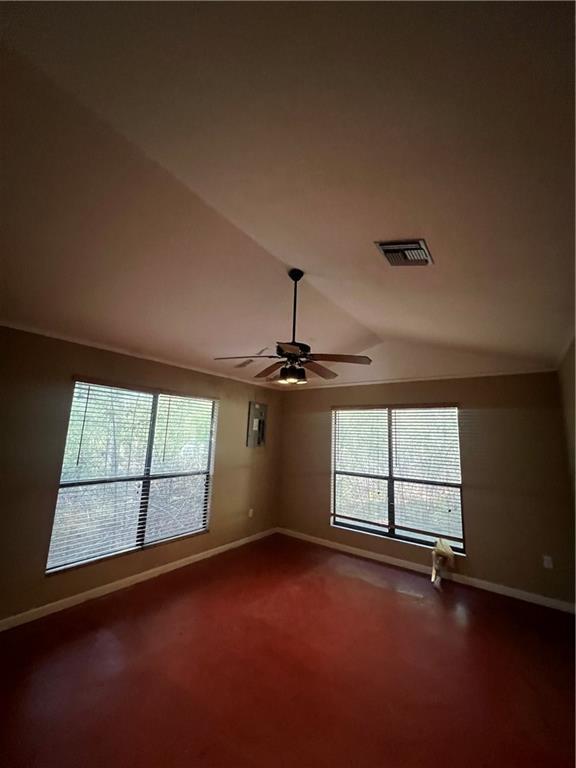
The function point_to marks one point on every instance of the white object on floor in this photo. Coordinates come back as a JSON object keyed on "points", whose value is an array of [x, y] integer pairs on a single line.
{"points": [[442, 556]]}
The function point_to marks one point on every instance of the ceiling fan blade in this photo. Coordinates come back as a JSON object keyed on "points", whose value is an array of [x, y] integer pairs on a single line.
{"points": [[358, 359], [319, 370], [248, 357], [269, 369]]}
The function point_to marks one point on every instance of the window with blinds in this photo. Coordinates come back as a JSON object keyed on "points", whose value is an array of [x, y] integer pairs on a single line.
{"points": [[137, 470], [396, 472]]}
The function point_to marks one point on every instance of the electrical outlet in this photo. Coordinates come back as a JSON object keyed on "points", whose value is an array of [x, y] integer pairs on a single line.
{"points": [[250, 513], [547, 561]]}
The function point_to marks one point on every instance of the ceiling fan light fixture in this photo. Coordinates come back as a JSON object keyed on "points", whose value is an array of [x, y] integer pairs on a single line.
{"points": [[290, 374], [286, 375], [301, 373]]}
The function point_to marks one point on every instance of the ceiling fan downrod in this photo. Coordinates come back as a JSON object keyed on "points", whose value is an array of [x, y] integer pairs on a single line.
{"points": [[296, 275]]}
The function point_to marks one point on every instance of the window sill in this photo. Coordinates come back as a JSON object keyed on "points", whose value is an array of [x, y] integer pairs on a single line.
{"points": [[74, 566], [397, 539]]}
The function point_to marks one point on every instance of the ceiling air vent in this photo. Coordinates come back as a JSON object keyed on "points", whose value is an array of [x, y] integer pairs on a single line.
{"points": [[405, 253]]}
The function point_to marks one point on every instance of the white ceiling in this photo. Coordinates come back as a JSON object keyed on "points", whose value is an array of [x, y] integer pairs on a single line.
{"points": [[165, 162]]}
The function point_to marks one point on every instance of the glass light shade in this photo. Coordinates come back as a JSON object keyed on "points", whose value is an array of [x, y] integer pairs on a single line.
{"points": [[290, 374]]}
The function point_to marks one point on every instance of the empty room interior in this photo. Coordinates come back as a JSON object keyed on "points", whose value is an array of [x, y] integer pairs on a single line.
{"points": [[287, 384]]}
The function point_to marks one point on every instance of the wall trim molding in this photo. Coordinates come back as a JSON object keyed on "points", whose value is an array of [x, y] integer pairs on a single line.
{"points": [[489, 586], [419, 379], [127, 353], [25, 328], [105, 589]]}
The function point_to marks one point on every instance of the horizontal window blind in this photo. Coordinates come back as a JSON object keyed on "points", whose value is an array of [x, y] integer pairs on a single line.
{"points": [[361, 441], [425, 444], [396, 472], [107, 433], [137, 470]]}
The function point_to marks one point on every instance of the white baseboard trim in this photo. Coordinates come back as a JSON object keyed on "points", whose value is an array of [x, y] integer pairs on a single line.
{"points": [[113, 586], [489, 586]]}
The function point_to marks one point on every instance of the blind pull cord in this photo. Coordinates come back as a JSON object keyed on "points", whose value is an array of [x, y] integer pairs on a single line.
{"points": [[82, 430], [166, 432]]}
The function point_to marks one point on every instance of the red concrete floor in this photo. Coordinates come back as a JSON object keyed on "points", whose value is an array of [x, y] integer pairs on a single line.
{"points": [[283, 654]]}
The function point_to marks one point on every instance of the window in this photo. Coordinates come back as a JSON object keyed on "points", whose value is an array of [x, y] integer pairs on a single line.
{"points": [[396, 472], [137, 470]]}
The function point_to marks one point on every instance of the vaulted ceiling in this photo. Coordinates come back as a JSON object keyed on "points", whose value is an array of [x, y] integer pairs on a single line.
{"points": [[165, 162]]}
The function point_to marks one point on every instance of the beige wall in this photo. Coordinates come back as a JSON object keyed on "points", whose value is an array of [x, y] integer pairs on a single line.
{"points": [[566, 374], [516, 497], [35, 395]]}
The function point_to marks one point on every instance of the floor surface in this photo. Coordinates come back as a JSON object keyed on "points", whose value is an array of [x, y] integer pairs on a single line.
{"points": [[283, 654]]}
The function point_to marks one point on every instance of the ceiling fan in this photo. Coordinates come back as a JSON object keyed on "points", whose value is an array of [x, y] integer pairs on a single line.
{"points": [[294, 358]]}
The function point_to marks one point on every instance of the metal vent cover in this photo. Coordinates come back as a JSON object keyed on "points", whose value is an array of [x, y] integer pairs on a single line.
{"points": [[405, 253]]}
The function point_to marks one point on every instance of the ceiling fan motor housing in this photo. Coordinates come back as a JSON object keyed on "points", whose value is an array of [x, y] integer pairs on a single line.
{"points": [[292, 349]]}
